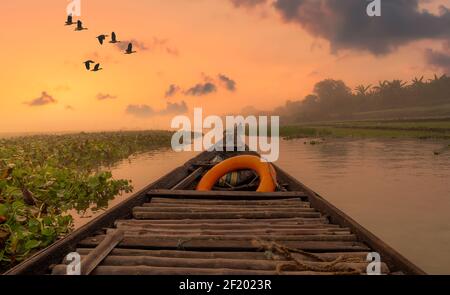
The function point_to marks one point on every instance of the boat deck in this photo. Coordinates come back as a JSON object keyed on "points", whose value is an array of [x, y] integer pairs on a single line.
{"points": [[230, 233]]}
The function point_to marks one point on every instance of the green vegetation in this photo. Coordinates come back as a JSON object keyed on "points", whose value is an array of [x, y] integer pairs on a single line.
{"points": [[333, 100], [297, 131], [421, 129], [42, 177]]}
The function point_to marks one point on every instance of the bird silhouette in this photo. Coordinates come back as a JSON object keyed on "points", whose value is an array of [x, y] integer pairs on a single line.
{"points": [[80, 26], [69, 20], [88, 64], [101, 38], [113, 38], [96, 68], [130, 49]]}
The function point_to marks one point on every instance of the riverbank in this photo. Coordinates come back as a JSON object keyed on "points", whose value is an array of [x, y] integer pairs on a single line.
{"points": [[417, 129]]}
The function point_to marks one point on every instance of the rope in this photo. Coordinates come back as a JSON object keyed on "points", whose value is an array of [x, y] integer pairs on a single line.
{"points": [[300, 265]]}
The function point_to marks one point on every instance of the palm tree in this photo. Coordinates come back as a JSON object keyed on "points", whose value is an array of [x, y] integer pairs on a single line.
{"points": [[417, 81], [396, 84], [362, 90], [382, 86], [437, 78]]}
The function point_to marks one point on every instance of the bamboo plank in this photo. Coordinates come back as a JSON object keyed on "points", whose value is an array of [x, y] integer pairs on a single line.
{"points": [[313, 231], [149, 270], [224, 227], [227, 263], [206, 206], [167, 201], [222, 215], [220, 210], [276, 237], [357, 256], [225, 244], [233, 263], [225, 195], [241, 221], [189, 179], [91, 261]]}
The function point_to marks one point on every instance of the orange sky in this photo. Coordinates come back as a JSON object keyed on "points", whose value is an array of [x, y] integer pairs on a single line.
{"points": [[270, 60]]}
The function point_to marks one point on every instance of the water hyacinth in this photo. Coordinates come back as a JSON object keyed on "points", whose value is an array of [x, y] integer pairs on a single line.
{"points": [[42, 177]]}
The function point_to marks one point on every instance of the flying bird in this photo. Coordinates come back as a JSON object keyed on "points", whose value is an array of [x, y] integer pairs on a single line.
{"points": [[113, 38], [80, 26], [69, 20], [101, 38], [96, 68], [130, 49], [88, 64]]}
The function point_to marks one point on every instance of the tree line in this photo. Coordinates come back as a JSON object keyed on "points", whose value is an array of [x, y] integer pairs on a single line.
{"points": [[334, 100]]}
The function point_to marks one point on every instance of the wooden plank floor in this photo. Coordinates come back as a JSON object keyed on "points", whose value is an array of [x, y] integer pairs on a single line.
{"points": [[195, 235]]}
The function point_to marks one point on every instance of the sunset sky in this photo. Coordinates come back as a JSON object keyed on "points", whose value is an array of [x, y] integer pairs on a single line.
{"points": [[222, 55]]}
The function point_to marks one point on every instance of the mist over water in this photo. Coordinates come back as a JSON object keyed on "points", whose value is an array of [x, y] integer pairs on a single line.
{"points": [[398, 189]]}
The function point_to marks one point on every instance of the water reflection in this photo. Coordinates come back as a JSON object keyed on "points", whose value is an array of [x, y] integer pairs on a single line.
{"points": [[399, 189]]}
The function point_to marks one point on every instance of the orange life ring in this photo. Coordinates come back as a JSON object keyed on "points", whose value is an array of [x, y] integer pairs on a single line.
{"points": [[266, 172]]}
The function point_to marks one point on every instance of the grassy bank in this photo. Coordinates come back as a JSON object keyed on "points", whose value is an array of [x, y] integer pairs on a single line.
{"points": [[44, 176], [420, 129]]}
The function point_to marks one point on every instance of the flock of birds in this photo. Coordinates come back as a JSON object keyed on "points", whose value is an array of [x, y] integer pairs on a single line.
{"points": [[101, 39]]}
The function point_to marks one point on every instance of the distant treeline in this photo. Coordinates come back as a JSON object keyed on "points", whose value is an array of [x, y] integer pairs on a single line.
{"points": [[334, 100]]}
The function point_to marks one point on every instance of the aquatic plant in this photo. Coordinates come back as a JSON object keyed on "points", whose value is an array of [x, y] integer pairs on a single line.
{"points": [[43, 177]]}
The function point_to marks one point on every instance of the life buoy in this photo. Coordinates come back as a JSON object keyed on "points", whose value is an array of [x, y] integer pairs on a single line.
{"points": [[265, 171]]}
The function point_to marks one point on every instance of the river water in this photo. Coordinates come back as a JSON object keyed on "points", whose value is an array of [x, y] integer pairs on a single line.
{"points": [[398, 189]]}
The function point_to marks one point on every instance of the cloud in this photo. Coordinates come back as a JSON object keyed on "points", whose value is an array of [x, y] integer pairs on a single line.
{"points": [[102, 96], [173, 89], [141, 111], [207, 86], [346, 25], [42, 100], [175, 108], [438, 59], [164, 46], [201, 89], [155, 45], [145, 111], [69, 108], [247, 3], [137, 45], [227, 82]]}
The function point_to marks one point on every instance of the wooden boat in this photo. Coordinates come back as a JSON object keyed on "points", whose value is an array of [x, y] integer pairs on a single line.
{"points": [[169, 228]]}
